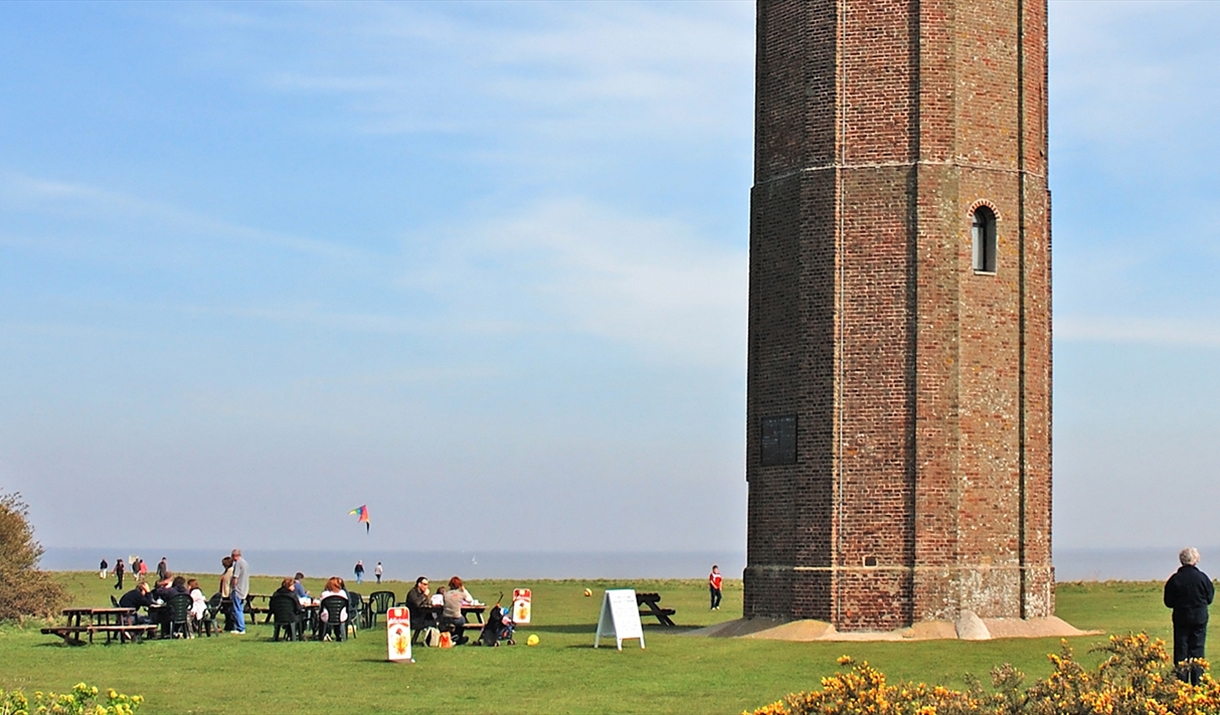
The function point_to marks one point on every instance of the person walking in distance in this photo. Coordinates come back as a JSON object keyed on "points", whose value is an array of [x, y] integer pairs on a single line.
{"points": [[714, 582], [241, 587], [359, 571], [1189, 592], [378, 571], [120, 568]]}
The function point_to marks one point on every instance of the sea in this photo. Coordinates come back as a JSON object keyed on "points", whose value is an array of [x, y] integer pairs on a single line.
{"points": [[407, 565], [1071, 564]]}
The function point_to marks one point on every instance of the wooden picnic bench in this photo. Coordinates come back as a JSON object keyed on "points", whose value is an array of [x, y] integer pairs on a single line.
{"points": [[650, 605], [116, 623], [254, 610]]}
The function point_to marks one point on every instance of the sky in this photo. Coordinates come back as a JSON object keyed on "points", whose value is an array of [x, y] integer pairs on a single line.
{"points": [[483, 268]]}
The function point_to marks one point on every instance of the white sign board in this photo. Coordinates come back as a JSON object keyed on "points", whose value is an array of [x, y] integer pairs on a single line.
{"points": [[398, 634], [620, 618]]}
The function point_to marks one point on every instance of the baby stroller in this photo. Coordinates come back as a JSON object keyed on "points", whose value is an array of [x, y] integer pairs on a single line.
{"points": [[499, 626]]}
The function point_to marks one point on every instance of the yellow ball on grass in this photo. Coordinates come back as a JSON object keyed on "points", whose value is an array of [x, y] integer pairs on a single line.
{"points": [[532, 640]]}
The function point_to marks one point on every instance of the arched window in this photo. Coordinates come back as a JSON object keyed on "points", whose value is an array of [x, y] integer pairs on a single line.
{"points": [[983, 234]]}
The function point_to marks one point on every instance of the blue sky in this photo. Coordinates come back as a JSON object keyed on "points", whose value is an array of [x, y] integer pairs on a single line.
{"points": [[274, 261]]}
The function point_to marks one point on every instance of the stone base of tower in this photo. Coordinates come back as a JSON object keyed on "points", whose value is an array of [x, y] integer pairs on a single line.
{"points": [[787, 593], [886, 599]]}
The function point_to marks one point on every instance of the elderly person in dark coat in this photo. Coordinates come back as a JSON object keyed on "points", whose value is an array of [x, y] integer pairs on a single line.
{"points": [[1189, 592]]}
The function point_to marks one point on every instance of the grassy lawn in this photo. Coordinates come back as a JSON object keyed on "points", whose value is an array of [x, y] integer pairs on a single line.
{"points": [[563, 674]]}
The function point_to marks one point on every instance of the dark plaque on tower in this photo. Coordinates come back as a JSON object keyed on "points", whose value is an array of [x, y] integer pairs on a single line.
{"points": [[778, 440]]}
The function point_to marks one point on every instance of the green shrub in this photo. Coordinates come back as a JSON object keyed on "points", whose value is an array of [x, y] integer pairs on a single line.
{"points": [[24, 590], [1136, 679]]}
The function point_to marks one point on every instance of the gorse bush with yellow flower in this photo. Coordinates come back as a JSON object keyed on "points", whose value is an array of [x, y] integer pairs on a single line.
{"points": [[1136, 678], [83, 700]]}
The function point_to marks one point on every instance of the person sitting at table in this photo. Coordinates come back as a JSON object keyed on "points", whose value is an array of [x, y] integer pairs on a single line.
{"points": [[451, 612], [137, 598], [199, 604], [334, 587], [288, 588], [169, 588], [298, 589], [419, 605], [467, 598]]}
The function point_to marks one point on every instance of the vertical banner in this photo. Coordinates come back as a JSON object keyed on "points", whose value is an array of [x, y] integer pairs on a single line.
{"points": [[521, 606], [620, 618], [398, 634]]}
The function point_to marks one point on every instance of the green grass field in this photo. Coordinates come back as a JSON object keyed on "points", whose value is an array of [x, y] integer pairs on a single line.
{"points": [[563, 674]]}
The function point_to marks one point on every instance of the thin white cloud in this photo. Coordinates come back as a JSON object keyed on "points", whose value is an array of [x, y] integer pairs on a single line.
{"points": [[648, 283], [1134, 73], [373, 323], [627, 69], [1158, 331], [21, 193], [63, 330]]}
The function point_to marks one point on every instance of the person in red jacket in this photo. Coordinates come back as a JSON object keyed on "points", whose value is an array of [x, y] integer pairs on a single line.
{"points": [[714, 580]]}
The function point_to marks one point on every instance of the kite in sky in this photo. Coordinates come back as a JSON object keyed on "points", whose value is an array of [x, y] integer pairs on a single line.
{"points": [[363, 511]]}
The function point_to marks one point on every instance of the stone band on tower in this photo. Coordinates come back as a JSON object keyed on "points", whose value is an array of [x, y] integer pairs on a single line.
{"points": [[899, 379]]}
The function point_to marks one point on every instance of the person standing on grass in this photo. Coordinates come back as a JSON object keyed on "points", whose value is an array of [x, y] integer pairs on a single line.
{"points": [[226, 590], [120, 568], [102, 569], [241, 587], [378, 571], [1189, 592], [714, 582], [162, 569], [359, 571]]}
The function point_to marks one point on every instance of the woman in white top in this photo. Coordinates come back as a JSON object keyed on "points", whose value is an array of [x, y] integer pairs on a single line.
{"points": [[334, 587], [199, 604]]}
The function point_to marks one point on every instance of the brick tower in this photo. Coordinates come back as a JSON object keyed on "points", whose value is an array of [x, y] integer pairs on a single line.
{"points": [[899, 387]]}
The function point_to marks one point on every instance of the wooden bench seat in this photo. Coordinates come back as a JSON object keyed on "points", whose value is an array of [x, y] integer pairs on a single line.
{"points": [[72, 634], [650, 605]]}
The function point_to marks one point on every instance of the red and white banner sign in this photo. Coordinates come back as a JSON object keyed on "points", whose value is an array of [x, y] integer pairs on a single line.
{"points": [[398, 634], [521, 606]]}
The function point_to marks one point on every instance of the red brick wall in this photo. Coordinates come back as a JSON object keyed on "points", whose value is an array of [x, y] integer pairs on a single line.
{"points": [[921, 390]]}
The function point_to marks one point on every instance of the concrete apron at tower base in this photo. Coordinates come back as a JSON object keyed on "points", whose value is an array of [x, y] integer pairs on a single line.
{"points": [[967, 627]]}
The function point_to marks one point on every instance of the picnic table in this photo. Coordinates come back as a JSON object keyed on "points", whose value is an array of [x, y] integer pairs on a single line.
{"points": [[253, 610], [468, 610], [650, 605], [116, 623]]}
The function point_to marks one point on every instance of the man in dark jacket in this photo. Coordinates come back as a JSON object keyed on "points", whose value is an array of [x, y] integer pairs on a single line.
{"points": [[419, 605], [1189, 592], [137, 597]]}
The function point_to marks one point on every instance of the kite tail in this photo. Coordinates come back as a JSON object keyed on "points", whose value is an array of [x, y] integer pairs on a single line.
{"points": [[366, 527]]}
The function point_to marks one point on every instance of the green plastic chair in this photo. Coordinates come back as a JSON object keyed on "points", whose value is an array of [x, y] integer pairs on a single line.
{"points": [[284, 615], [380, 602]]}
